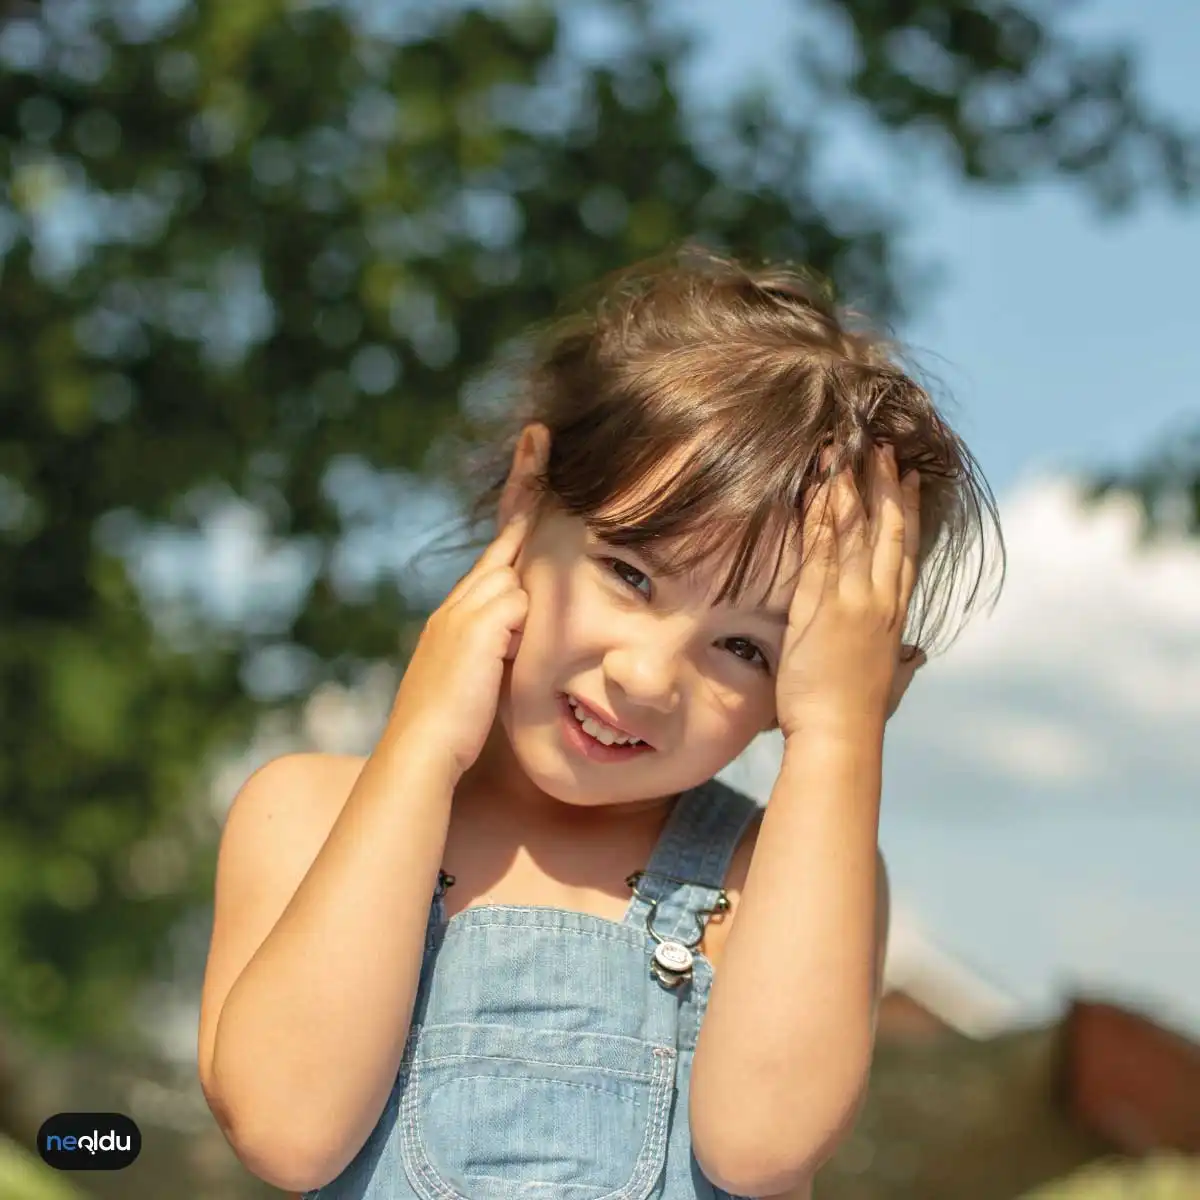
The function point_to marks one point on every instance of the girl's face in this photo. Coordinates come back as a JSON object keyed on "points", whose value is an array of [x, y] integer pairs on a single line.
{"points": [[695, 682]]}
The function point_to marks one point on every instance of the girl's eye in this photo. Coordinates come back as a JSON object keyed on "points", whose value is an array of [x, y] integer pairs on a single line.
{"points": [[618, 567], [762, 658]]}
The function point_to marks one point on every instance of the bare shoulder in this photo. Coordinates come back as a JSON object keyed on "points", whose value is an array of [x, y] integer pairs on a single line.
{"points": [[273, 832], [296, 798], [718, 929]]}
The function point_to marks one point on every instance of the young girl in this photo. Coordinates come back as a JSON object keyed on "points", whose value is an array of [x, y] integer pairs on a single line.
{"points": [[530, 946]]}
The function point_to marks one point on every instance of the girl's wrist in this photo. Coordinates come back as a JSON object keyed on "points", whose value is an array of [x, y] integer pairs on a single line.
{"points": [[843, 761], [408, 748], [848, 725]]}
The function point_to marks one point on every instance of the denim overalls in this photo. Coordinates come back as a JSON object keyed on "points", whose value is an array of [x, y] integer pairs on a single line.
{"points": [[546, 1059]]}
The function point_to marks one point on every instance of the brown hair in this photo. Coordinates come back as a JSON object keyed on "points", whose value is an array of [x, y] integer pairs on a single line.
{"points": [[736, 378]]}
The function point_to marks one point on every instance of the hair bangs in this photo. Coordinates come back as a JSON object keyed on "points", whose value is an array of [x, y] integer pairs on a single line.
{"points": [[718, 507]]}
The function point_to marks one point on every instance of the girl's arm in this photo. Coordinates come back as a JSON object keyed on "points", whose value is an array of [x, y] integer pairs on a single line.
{"points": [[785, 1049], [802, 1190], [324, 878], [323, 898]]}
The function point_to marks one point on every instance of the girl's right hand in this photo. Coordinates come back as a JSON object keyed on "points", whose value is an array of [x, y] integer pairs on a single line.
{"points": [[447, 700]]}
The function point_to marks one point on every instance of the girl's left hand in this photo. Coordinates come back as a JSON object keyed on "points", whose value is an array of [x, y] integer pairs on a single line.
{"points": [[840, 665]]}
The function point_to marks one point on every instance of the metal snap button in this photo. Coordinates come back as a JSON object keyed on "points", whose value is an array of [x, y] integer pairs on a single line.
{"points": [[674, 957]]}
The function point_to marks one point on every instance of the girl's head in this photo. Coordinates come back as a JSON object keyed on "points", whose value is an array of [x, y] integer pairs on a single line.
{"points": [[674, 426]]}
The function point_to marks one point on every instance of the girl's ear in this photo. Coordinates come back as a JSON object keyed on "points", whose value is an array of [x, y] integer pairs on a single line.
{"points": [[530, 456]]}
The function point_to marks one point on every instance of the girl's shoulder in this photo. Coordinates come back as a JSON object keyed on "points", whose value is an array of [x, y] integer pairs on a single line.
{"points": [[300, 794], [285, 811], [280, 818]]}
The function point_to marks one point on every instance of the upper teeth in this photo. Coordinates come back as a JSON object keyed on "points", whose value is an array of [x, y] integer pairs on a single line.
{"points": [[598, 730]]}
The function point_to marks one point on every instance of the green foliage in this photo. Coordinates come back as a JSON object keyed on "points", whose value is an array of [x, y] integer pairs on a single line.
{"points": [[24, 1177], [265, 252], [1013, 97], [1165, 483], [1160, 1177]]}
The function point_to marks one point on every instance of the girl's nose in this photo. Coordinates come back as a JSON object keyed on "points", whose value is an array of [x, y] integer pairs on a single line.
{"points": [[647, 674]]}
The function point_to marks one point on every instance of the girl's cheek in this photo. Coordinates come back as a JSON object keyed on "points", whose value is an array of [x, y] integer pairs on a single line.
{"points": [[586, 605], [564, 611]]}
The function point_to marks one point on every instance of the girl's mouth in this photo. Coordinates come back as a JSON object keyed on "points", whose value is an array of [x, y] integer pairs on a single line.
{"points": [[584, 743]]}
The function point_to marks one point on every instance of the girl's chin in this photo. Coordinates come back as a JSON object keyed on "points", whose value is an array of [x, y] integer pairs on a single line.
{"points": [[547, 768]]}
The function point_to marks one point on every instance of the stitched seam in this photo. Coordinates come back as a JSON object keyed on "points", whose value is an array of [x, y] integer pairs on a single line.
{"points": [[413, 1159], [436, 1189], [640, 1076], [656, 1134], [525, 1081], [626, 1039], [427, 1179], [543, 1183], [615, 932]]}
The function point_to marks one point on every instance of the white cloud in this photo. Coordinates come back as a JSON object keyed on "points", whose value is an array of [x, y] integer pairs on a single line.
{"points": [[1042, 787], [1085, 679], [1080, 588], [1035, 751]]}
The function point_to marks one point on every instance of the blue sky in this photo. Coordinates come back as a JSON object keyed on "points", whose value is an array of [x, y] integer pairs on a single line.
{"points": [[1040, 802], [1066, 340]]}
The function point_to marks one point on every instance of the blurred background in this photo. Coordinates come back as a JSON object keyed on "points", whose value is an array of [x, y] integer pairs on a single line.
{"points": [[259, 267]]}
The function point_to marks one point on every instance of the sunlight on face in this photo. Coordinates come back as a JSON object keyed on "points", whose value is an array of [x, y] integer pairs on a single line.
{"points": [[696, 682]]}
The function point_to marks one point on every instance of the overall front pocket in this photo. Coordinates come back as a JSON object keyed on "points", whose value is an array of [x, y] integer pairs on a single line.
{"points": [[490, 1112]]}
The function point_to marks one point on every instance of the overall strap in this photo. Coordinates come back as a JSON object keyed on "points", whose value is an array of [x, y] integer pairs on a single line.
{"points": [[696, 847]]}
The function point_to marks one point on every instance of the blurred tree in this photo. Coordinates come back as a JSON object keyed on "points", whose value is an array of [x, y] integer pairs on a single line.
{"points": [[1165, 482], [257, 261], [23, 1176], [1163, 1176]]}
